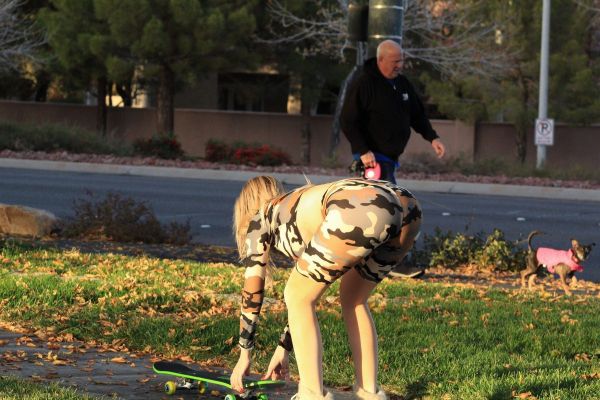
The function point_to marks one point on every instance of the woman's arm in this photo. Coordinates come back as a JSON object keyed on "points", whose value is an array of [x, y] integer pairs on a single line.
{"points": [[255, 260]]}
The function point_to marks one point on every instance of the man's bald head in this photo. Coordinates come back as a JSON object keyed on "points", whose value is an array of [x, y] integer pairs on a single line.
{"points": [[390, 59]]}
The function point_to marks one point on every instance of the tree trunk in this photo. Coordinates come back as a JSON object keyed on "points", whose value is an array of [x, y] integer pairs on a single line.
{"points": [[101, 110], [309, 98], [521, 139], [41, 87], [165, 123], [124, 91], [335, 127], [306, 133], [521, 124]]}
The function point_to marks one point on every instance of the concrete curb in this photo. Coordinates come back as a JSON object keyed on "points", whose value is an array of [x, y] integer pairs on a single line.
{"points": [[298, 179]]}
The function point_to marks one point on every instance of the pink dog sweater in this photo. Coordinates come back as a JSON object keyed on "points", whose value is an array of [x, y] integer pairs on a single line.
{"points": [[551, 257]]}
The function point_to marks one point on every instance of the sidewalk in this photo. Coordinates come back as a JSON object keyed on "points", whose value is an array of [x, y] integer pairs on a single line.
{"points": [[97, 371], [299, 179]]}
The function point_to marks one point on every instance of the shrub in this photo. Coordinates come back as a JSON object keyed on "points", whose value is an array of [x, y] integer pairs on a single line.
{"points": [[217, 151], [121, 219], [452, 250], [263, 155], [243, 153], [161, 146], [55, 137], [499, 254]]}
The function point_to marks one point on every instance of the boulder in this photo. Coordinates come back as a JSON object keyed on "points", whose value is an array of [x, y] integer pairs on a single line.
{"points": [[25, 221]]}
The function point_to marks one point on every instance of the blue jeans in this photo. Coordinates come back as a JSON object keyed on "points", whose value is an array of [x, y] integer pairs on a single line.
{"points": [[388, 171]]}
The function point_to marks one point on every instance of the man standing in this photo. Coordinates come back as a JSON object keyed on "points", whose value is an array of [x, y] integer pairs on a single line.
{"points": [[380, 108]]}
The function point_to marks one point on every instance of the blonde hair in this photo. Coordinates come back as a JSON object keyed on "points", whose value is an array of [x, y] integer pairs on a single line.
{"points": [[254, 196]]}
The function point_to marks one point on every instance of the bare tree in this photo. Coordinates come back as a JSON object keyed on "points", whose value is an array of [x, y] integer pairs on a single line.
{"points": [[449, 35], [323, 33], [592, 5], [19, 39]]}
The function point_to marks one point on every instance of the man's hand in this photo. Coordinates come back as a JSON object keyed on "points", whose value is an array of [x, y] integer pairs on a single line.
{"points": [[242, 368], [368, 159], [438, 147], [279, 365]]}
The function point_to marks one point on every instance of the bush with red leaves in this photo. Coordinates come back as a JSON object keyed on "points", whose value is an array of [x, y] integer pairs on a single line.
{"points": [[246, 154]]}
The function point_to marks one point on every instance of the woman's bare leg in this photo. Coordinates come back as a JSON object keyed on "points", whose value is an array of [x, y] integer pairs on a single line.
{"points": [[301, 296], [354, 292]]}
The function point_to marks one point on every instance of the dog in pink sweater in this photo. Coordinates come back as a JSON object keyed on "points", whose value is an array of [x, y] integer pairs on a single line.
{"points": [[564, 263]]}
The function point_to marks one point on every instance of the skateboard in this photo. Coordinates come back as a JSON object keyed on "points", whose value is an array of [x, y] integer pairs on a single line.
{"points": [[190, 378]]}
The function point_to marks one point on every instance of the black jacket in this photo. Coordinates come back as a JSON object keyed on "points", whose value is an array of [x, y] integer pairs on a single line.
{"points": [[377, 114]]}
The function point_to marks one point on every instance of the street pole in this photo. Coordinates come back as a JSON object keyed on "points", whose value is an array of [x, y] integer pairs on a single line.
{"points": [[543, 98]]}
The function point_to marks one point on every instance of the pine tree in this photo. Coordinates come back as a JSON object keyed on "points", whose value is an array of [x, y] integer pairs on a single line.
{"points": [[177, 40]]}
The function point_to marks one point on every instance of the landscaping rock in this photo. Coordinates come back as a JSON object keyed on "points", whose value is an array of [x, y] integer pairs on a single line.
{"points": [[25, 221]]}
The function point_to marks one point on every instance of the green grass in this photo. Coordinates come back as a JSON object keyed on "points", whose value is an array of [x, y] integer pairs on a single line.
{"points": [[497, 167], [436, 341], [18, 389]]}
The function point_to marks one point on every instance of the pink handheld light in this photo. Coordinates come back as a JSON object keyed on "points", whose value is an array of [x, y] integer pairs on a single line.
{"points": [[374, 172]]}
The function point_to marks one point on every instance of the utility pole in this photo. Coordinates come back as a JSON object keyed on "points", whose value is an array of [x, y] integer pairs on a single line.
{"points": [[543, 98]]}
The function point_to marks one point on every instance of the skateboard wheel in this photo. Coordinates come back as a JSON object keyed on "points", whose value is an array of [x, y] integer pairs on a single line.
{"points": [[262, 396], [201, 387], [229, 397], [170, 387]]}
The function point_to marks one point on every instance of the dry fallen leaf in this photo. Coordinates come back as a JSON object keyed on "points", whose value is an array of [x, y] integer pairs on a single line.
{"points": [[526, 395], [200, 348], [587, 377], [119, 360]]}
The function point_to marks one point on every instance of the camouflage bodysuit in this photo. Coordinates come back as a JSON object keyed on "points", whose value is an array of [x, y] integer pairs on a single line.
{"points": [[361, 226]]}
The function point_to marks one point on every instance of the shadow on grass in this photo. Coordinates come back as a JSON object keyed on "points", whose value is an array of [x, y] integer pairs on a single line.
{"points": [[414, 391], [192, 252], [536, 390]]}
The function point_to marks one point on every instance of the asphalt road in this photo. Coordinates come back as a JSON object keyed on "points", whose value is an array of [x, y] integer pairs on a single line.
{"points": [[207, 204]]}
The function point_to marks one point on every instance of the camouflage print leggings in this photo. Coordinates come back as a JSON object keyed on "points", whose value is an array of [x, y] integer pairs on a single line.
{"points": [[367, 226]]}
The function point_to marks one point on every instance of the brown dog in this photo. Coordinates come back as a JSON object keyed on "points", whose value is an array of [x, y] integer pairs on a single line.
{"points": [[562, 262]]}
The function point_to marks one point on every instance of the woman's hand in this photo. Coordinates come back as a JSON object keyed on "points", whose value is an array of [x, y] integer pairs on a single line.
{"points": [[279, 365], [242, 368]]}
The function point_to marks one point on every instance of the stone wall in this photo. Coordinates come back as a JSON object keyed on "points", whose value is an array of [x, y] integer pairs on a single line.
{"points": [[573, 145]]}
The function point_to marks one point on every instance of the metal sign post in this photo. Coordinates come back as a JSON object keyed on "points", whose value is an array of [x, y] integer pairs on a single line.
{"points": [[543, 99]]}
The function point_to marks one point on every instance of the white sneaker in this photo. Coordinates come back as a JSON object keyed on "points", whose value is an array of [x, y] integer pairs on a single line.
{"points": [[307, 394], [407, 272], [362, 394]]}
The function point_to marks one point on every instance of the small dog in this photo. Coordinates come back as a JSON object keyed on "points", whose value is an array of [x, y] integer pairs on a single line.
{"points": [[562, 262]]}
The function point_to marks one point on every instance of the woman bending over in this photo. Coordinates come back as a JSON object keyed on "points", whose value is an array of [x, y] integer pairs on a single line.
{"points": [[352, 229]]}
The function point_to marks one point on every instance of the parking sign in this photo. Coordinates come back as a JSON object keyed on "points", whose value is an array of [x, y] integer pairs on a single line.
{"points": [[544, 132]]}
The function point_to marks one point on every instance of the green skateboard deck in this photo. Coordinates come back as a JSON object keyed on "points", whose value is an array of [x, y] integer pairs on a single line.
{"points": [[188, 378]]}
